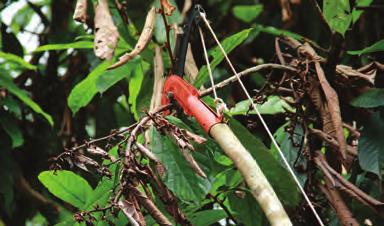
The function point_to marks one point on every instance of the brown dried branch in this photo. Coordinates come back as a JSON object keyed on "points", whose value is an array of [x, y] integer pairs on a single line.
{"points": [[149, 206], [106, 34], [80, 14], [346, 186], [158, 79], [142, 42], [248, 71]]}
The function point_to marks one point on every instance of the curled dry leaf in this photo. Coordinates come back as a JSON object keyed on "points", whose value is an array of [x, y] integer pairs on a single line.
{"points": [[80, 14], [286, 12], [143, 41], [94, 150], [168, 7], [128, 210], [106, 34], [192, 162]]}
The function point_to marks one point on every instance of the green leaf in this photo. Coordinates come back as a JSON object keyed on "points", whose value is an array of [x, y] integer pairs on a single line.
{"points": [[371, 143], [63, 46], [85, 90], [287, 191], [9, 57], [289, 150], [19, 93], [110, 77], [179, 176], [374, 97], [338, 15], [10, 126], [273, 105], [245, 209], [135, 84], [67, 186], [356, 13], [228, 44], [376, 47], [247, 13], [207, 217]]}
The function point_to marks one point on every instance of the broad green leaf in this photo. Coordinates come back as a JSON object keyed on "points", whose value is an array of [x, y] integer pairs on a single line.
{"points": [[85, 90], [63, 46], [290, 150], [273, 105], [67, 186], [338, 15], [207, 217], [10, 126], [374, 97], [9, 57], [247, 13], [135, 84], [110, 77], [228, 44], [356, 13], [19, 93], [376, 47], [371, 145], [179, 177], [245, 209], [287, 191]]}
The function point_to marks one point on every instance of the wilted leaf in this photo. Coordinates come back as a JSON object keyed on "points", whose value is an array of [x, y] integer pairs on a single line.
{"points": [[228, 44], [67, 186], [106, 34], [247, 13], [374, 97], [376, 47], [19, 93], [80, 13], [72, 45], [338, 15], [9, 57]]}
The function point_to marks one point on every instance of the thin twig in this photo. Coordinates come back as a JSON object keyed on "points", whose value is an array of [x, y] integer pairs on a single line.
{"points": [[246, 72], [168, 30]]}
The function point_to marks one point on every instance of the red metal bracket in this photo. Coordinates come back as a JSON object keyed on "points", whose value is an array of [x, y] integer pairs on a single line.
{"points": [[189, 99]]}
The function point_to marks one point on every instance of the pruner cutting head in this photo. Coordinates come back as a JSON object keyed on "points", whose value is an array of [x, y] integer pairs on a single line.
{"points": [[183, 39]]}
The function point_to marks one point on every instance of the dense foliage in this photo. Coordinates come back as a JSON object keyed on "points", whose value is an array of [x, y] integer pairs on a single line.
{"points": [[81, 143]]}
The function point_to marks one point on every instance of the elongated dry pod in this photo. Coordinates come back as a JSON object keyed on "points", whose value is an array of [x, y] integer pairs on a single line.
{"points": [[251, 172]]}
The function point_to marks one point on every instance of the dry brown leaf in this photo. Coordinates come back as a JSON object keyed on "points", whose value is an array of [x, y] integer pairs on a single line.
{"points": [[286, 12], [333, 108], [143, 41], [168, 7], [80, 14], [106, 34], [129, 211]]}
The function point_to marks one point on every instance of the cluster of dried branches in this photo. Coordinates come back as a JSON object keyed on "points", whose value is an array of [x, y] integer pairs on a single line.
{"points": [[301, 74]]}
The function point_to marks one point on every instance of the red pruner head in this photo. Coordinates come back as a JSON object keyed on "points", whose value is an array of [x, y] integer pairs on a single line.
{"points": [[188, 98]]}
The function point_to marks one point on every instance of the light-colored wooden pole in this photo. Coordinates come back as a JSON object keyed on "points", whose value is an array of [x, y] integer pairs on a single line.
{"points": [[251, 172]]}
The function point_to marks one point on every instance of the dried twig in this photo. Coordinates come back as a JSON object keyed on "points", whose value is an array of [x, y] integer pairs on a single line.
{"points": [[142, 42]]}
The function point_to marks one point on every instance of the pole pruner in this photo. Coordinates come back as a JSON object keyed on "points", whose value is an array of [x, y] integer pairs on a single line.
{"points": [[188, 98]]}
